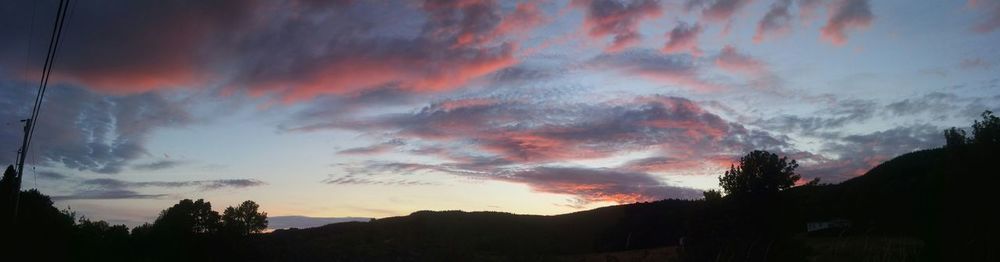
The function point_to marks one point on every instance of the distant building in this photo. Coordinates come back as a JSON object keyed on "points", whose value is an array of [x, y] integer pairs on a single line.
{"points": [[829, 224]]}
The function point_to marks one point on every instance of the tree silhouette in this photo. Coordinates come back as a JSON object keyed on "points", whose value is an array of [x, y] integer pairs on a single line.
{"points": [[244, 219], [712, 195], [954, 137], [759, 172], [987, 131], [189, 217], [7, 192]]}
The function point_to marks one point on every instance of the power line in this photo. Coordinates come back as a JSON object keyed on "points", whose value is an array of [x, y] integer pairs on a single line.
{"points": [[39, 97]]}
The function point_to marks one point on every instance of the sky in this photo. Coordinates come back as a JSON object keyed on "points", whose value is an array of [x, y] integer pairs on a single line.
{"points": [[383, 108]]}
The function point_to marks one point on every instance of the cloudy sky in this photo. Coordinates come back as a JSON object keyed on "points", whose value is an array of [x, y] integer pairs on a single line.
{"points": [[382, 108]]}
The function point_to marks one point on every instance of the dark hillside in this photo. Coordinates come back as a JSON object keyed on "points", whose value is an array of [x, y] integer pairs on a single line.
{"points": [[916, 195], [458, 235]]}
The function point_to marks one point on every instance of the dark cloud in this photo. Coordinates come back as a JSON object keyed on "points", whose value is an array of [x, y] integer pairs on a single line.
{"points": [[49, 175], [522, 73], [586, 184], [842, 156], [109, 183], [373, 149], [683, 38], [853, 155], [364, 172], [456, 43], [107, 194], [618, 18], [339, 106], [295, 50], [681, 71], [676, 165], [942, 106], [846, 15], [128, 46], [542, 132], [850, 111], [490, 130], [158, 165], [372, 180], [515, 141], [776, 21], [230, 183], [992, 21], [109, 188], [718, 10], [85, 131]]}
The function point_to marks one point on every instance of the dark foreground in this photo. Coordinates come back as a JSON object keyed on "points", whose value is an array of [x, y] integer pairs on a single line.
{"points": [[932, 205]]}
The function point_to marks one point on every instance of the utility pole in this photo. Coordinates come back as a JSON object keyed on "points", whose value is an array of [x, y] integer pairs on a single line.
{"points": [[29, 126], [21, 154]]}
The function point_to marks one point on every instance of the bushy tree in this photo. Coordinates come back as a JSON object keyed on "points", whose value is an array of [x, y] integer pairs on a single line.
{"points": [[759, 172], [7, 195], [189, 217], [712, 195], [244, 219], [954, 137], [986, 131], [100, 241]]}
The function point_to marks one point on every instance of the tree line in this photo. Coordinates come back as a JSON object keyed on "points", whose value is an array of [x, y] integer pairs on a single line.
{"points": [[752, 218], [752, 222], [187, 231]]}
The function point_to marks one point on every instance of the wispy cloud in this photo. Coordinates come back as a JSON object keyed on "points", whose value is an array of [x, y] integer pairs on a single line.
{"points": [[158, 165], [86, 131]]}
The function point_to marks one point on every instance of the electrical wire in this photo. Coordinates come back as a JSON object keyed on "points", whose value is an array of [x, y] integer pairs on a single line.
{"points": [[47, 68], [39, 97]]}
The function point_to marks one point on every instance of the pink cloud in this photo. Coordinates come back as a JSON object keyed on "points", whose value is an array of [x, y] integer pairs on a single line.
{"points": [[992, 22], [513, 131], [846, 15], [292, 50], [618, 19], [777, 21], [683, 38], [731, 60], [526, 16], [807, 9], [139, 47], [346, 76]]}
